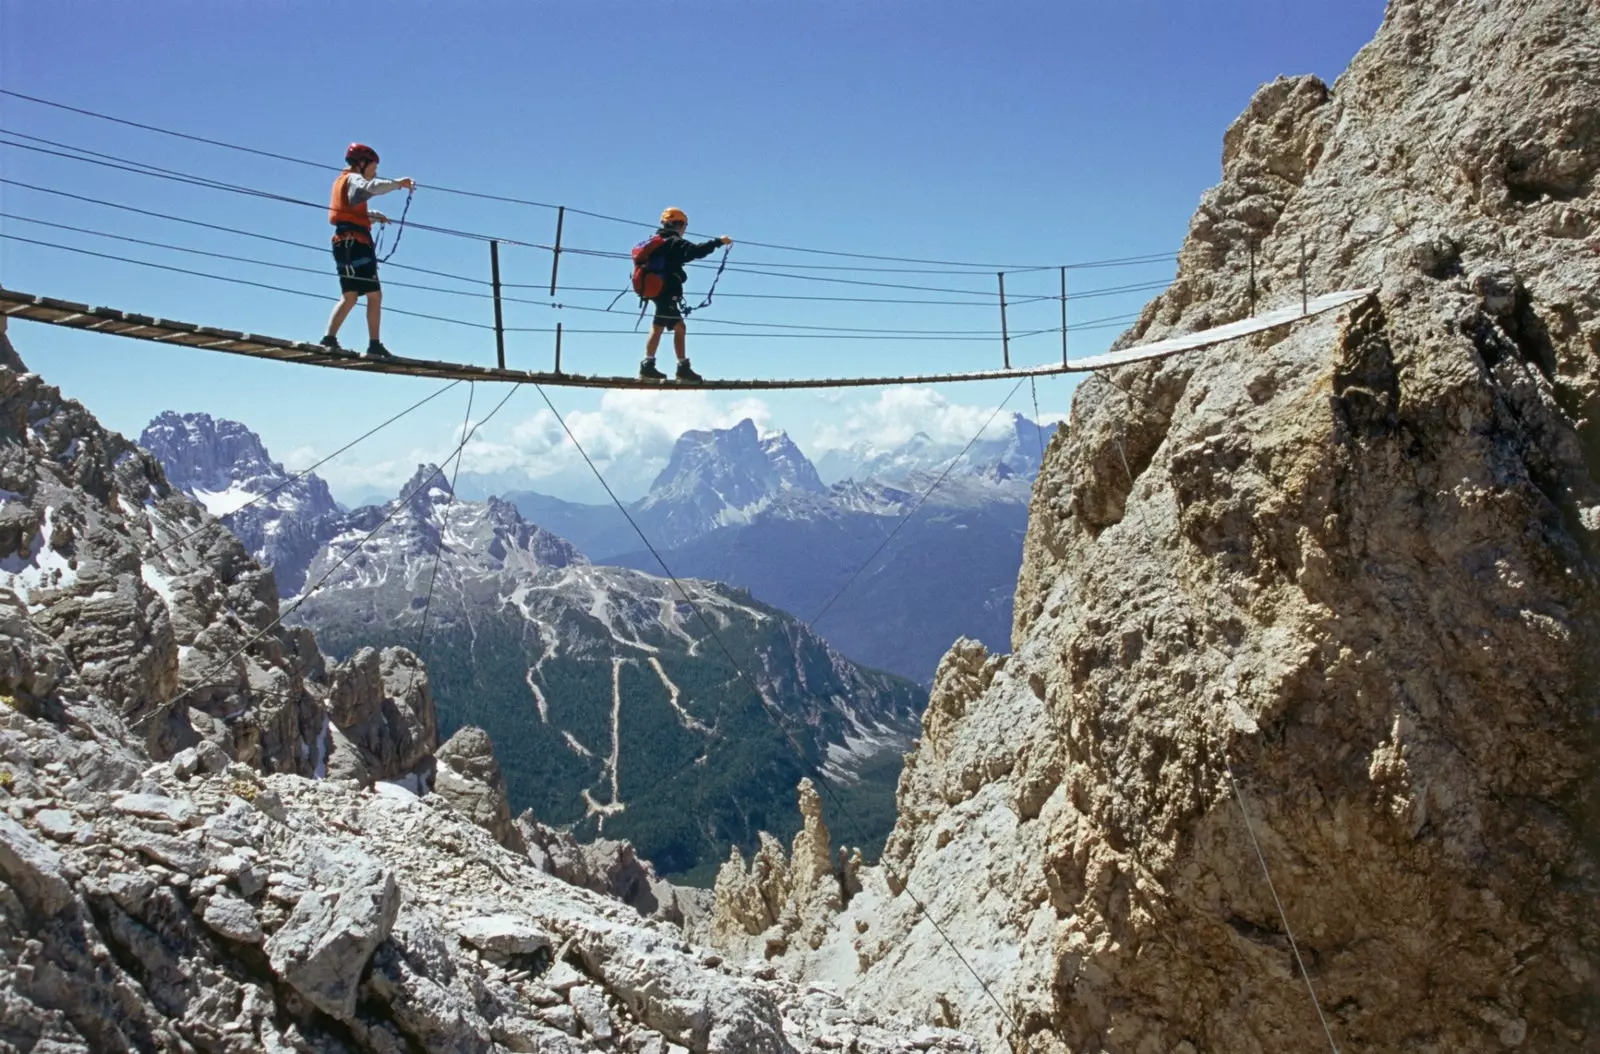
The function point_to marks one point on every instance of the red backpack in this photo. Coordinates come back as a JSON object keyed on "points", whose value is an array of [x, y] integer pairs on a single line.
{"points": [[649, 268]]}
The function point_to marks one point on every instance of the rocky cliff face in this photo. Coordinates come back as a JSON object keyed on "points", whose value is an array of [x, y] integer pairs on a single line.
{"points": [[214, 839], [1328, 594]]}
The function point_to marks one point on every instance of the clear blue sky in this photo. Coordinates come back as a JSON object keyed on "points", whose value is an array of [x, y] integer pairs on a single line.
{"points": [[1031, 133]]}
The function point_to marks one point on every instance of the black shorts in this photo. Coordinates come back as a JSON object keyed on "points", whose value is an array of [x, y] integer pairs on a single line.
{"points": [[668, 313], [358, 266]]}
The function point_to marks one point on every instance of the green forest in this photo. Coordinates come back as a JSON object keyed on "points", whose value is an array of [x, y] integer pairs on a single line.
{"points": [[688, 795]]}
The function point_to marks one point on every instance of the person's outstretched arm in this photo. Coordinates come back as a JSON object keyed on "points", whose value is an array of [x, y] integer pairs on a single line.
{"points": [[359, 188], [700, 250]]}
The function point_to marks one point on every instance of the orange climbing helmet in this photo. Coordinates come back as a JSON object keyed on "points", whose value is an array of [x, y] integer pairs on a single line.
{"points": [[674, 217], [360, 154]]}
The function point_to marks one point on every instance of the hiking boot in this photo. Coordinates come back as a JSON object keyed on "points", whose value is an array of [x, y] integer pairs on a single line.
{"points": [[331, 342], [648, 371], [376, 350], [686, 374]]}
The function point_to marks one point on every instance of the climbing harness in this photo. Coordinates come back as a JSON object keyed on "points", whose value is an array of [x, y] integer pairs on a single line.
{"points": [[399, 233]]}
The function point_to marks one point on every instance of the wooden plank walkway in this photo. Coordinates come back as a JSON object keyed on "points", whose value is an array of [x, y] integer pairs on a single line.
{"points": [[206, 338]]}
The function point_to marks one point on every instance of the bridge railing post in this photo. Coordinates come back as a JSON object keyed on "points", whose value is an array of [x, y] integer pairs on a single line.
{"points": [[1005, 339], [1063, 316], [555, 261], [558, 348], [499, 321]]}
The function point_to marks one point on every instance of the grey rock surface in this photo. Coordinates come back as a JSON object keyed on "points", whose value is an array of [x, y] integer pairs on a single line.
{"points": [[325, 944]]}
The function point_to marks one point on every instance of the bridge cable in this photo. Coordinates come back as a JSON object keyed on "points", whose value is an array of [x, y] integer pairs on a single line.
{"points": [[438, 550], [323, 248], [981, 268], [478, 194], [988, 334], [140, 168], [928, 336], [1087, 294]]}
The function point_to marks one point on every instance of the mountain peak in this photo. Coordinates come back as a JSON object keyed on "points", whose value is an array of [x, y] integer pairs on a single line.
{"points": [[719, 476], [205, 454], [225, 468], [427, 486]]}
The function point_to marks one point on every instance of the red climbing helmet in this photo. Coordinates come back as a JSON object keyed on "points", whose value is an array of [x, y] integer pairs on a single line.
{"points": [[360, 154]]}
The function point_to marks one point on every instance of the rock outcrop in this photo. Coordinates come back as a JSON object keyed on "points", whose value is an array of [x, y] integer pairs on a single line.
{"points": [[384, 724], [153, 610], [782, 899], [233, 911], [468, 777], [615, 869], [1327, 595]]}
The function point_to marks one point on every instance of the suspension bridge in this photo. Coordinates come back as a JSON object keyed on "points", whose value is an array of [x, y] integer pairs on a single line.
{"points": [[49, 310]]}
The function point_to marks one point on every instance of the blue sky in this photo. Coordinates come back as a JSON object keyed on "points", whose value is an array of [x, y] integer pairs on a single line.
{"points": [[1003, 133]]}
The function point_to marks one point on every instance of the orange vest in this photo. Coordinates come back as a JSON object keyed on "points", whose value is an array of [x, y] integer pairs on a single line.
{"points": [[341, 212]]}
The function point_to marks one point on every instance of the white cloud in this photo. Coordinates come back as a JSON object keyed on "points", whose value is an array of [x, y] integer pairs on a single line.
{"points": [[629, 437], [897, 414], [299, 458]]}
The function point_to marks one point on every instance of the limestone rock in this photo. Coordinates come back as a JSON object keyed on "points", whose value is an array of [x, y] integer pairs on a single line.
{"points": [[382, 708], [172, 875], [781, 898], [590, 1006], [469, 778], [57, 824], [155, 807], [503, 937], [32, 869], [325, 944], [233, 919], [613, 868]]}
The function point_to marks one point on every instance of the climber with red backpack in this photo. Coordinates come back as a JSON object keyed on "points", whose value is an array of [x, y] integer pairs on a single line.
{"points": [[354, 251], [658, 277]]}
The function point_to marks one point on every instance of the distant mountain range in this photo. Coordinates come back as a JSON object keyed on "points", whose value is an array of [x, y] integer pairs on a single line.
{"points": [[612, 705], [750, 510]]}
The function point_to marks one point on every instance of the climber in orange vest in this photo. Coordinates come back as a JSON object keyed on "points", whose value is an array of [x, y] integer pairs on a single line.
{"points": [[353, 250]]}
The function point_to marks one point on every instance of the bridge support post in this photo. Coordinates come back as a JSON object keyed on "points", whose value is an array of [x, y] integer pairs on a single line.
{"points": [[558, 347], [1063, 316], [555, 262], [1005, 340], [499, 322]]}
